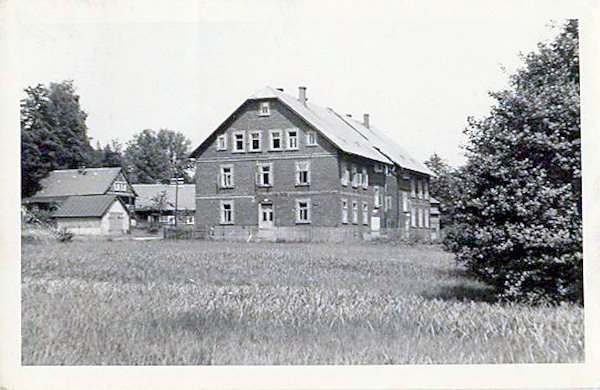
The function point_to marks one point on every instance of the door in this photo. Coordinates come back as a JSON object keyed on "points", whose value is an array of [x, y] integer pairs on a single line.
{"points": [[115, 222], [265, 216]]}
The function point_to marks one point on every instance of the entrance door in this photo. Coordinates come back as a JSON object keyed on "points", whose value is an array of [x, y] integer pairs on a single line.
{"points": [[265, 216], [115, 222]]}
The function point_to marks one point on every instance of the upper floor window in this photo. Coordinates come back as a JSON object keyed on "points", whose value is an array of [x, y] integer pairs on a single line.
{"points": [[354, 176], [264, 109], [265, 174], [378, 168], [120, 186], [365, 178], [378, 195], [222, 142], [413, 188], [365, 213], [426, 188], [292, 138], [311, 138], [420, 188], [302, 173], [226, 176], [344, 210], [239, 141], [345, 175], [302, 210], [275, 139], [404, 201], [354, 212], [255, 141]]}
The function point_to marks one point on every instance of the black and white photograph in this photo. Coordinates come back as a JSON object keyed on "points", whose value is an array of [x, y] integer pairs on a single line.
{"points": [[332, 194]]}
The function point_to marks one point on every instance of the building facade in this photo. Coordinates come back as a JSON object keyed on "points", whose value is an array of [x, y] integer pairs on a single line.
{"points": [[282, 167]]}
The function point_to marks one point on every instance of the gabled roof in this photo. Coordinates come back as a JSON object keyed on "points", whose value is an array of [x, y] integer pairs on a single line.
{"points": [[69, 182], [350, 135], [186, 196], [85, 206]]}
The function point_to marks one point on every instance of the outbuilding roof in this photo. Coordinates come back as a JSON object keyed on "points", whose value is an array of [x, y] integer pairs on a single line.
{"points": [[68, 182], [85, 206], [186, 196], [350, 135]]}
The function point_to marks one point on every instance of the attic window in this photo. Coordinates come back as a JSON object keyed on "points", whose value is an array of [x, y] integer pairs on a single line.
{"points": [[264, 109], [311, 138], [222, 142], [120, 186]]}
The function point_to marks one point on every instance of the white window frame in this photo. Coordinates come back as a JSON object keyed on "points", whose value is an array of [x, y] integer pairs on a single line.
{"points": [[289, 139], [272, 138], [365, 215], [355, 212], [298, 210], [345, 174], [261, 172], [426, 188], [222, 176], [119, 186], [365, 178], [223, 138], [309, 141], [388, 202], [355, 183], [426, 216], [189, 219], [302, 166], [378, 168], [404, 201], [222, 219], [413, 187], [377, 197], [235, 142], [264, 109], [420, 188], [251, 141], [344, 210], [420, 211], [413, 217]]}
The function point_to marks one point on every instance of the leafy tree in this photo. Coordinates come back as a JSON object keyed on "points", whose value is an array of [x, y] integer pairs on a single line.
{"points": [[110, 155], [518, 210], [157, 157], [53, 133], [444, 187]]}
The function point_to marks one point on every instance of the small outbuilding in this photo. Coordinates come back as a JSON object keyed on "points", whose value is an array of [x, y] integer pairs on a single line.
{"points": [[93, 215]]}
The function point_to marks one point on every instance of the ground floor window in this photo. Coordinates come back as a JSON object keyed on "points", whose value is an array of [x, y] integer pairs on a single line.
{"points": [[426, 218], [189, 219], [354, 212], [302, 210], [413, 217], [420, 218], [365, 213], [227, 211], [344, 210]]}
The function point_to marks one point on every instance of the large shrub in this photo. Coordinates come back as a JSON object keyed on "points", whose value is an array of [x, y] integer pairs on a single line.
{"points": [[518, 213]]}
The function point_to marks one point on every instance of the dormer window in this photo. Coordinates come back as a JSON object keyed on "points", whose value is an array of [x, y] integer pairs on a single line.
{"points": [[264, 109]]}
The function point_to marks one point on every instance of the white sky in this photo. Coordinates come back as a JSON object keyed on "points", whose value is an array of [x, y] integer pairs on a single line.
{"points": [[419, 68]]}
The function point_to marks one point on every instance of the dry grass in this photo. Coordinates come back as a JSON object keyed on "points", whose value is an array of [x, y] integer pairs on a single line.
{"points": [[196, 302]]}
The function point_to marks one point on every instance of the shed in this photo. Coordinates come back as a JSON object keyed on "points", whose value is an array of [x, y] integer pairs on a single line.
{"points": [[93, 215]]}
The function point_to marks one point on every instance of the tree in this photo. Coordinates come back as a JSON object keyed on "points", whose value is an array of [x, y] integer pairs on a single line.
{"points": [[518, 212], [443, 187], [157, 157], [53, 133], [110, 155]]}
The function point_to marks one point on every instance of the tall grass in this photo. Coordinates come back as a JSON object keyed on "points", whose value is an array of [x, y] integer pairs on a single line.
{"points": [[198, 302]]}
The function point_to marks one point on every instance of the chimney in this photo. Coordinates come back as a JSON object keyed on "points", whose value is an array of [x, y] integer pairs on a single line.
{"points": [[279, 89], [302, 95], [349, 115], [366, 120]]}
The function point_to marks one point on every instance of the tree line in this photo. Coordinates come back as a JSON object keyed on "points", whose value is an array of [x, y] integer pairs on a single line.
{"points": [[54, 136], [512, 214]]}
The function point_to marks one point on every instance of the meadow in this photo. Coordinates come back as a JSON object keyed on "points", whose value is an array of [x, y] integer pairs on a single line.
{"points": [[203, 302]]}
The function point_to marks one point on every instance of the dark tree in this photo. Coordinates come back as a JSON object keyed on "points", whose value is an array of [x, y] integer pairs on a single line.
{"points": [[53, 133], [518, 215]]}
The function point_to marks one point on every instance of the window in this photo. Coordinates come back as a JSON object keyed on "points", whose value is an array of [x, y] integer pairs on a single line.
{"points": [[120, 186], [311, 138], [388, 203], [387, 170], [360, 178], [365, 213], [302, 173], [426, 188], [189, 220], [354, 212], [302, 210], [227, 212], [365, 178], [275, 139], [404, 201], [345, 175], [420, 218], [427, 218], [344, 210], [226, 176], [413, 191], [222, 142], [413, 217], [265, 174], [420, 188], [378, 168], [239, 141], [292, 138], [377, 199], [264, 109], [354, 176], [255, 141]]}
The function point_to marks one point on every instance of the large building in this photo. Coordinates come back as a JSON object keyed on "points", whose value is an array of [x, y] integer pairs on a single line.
{"points": [[281, 167]]}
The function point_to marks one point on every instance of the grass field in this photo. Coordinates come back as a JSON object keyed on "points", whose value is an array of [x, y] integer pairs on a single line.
{"points": [[198, 302]]}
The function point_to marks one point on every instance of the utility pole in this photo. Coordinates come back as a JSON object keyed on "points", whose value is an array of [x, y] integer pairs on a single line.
{"points": [[176, 180]]}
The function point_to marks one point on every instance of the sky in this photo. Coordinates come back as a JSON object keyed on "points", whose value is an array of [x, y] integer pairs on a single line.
{"points": [[420, 69]]}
